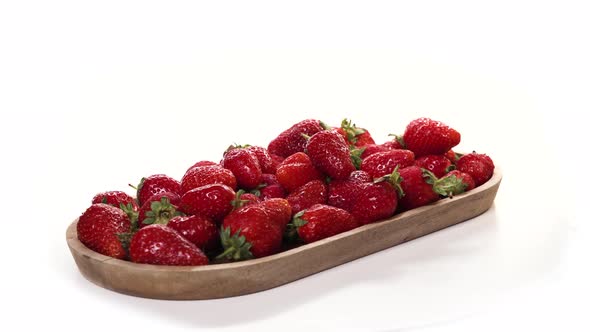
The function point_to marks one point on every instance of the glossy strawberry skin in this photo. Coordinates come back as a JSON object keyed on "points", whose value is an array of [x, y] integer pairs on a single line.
{"points": [[115, 198], [155, 184], [291, 140], [372, 149], [265, 160], [173, 198], [374, 202], [271, 188], [466, 178], [198, 230], [342, 193], [479, 166], [255, 224], [212, 201], [311, 193], [98, 227], [417, 192], [244, 165], [437, 164], [426, 136], [297, 170], [203, 175], [322, 221], [161, 245], [279, 211], [330, 154], [383, 163]]}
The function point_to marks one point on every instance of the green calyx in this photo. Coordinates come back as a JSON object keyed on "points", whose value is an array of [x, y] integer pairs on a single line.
{"points": [[447, 186], [324, 125], [399, 139], [351, 130], [395, 179], [355, 156], [131, 213], [161, 212], [235, 247], [291, 234]]}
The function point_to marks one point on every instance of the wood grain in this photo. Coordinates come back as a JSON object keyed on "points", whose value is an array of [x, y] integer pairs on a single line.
{"points": [[239, 278]]}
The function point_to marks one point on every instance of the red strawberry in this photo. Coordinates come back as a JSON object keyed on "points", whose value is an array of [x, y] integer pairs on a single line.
{"points": [[322, 221], [330, 154], [98, 228], [212, 201], [354, 135], [291, 140], [116, 199], [421, 187], [265, 160], [276, 160], [250, 232], [279, 210], [159, 209], [426, 136], [269, 179], [396, 143], [479, 166], [203, 175], [243, 199], [452, 156], [203, 163], [297, 170], [372, 149], [244, 165], [464, 177], [341, 193], [199, 230], [383, 163], [161, 245], [155, 184], [374, 202], [437, 164], [313, 192], [270, 188]]}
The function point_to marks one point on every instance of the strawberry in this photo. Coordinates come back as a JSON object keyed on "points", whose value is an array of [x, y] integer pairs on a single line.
{"points": [[159, 209], [155, 184], [198, 230], [321, 221], [330, 154], [353, 135], [99, 226], [297, 170], [243, 163], [161, 245], [372, 149], [203, 163], [265, 160], [426, 136], [342, 193], [374, 202], [211, 201], [243, 199], [421, 187], [270, 188], [198, 176], [452, 156], [279, 210], [479, 166], [396, 143], [313, 192], [116, 199], [291, 140], [250, 232], [383, 163], [464, 177], [437, 164]]}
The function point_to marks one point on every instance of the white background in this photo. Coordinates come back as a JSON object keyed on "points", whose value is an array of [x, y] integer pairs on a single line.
{"points": [[96, 95]]}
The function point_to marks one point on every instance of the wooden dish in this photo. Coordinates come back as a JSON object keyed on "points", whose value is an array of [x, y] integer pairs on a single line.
{"points": [[239, 278]]}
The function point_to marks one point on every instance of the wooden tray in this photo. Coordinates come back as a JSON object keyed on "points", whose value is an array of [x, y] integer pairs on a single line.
{"points": [[239, 278]]}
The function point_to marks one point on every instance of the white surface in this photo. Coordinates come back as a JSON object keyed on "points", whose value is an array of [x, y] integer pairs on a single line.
{"points": [[94, 96]]}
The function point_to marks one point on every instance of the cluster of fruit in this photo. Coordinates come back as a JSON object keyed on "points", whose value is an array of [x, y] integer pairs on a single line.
{"points": [[312, 182]]}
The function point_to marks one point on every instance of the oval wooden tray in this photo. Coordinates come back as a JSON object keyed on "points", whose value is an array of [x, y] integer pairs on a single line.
{"points": [[239, 278]]}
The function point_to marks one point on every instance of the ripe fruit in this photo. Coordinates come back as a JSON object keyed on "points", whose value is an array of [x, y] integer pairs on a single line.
{"points": [[311, 193], [211, 201], [203, 175], [116, 199], [161, 245], [279, 211], [265, 160], [479, 166], [421, 187], [159, 209], [354, 135], [243, 163], [426, 136], [330, 154], [342, 193], [464, 177], [198, 230], [383, 163], [321, 221], [155, 184], [437, 164], [297, 170], [293, 139], [99, 226], [374, 202], [243, 199]]}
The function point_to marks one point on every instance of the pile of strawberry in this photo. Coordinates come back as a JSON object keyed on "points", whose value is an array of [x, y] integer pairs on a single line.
{"points": [[312, 182]]}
